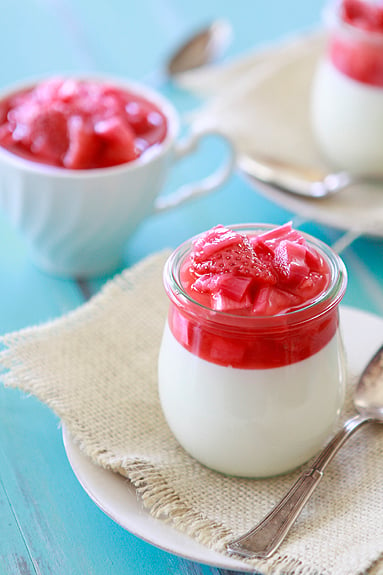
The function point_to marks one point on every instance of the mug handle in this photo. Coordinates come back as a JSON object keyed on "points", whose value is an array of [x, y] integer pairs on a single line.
{"points": [[204, 186]]}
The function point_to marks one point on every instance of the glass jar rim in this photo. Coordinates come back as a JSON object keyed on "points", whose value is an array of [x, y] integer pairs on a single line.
{"points": [[323, 303], [333, 20]]}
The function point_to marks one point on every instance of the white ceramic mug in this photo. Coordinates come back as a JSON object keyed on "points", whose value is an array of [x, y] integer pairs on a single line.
{"points": [[76, 222]]}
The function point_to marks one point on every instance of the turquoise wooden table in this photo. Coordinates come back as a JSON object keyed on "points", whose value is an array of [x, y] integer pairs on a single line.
{"points": [[48, 525]]}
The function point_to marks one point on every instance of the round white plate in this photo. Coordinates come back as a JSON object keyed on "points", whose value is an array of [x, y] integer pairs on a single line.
{"points": [[116, 497]]}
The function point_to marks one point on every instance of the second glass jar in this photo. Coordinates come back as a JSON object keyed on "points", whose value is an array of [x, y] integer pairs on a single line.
{"points": [[252, 396]]}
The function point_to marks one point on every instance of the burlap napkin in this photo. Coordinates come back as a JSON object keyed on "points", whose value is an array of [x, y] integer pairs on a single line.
{"points": [[96, 368]]}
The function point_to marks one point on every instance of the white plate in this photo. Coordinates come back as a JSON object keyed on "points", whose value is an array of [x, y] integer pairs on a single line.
{"points": [[115, 496], [263, 103]]}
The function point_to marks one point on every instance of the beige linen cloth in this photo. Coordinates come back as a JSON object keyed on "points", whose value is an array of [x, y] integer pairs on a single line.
{"points": [[97, 369]]}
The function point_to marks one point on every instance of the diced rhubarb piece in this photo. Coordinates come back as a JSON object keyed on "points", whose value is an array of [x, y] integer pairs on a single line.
{"points": [[227, 351], [314, 260], [21, 120], [234, 287], [310, 286], [261, 248], [49, 134], [285, 232], [47, 92], [138, 114], [220, 302], [84, 145], [207, 283], [4, 109], [290, 262], [119, 137], [181, 328], [225, 292], [272, 300], [115, 154], [68, 90], [6, 136]]}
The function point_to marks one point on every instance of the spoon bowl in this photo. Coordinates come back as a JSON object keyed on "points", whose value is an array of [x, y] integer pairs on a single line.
{"points": [[265, 538], [203, 47], [300, 180]]}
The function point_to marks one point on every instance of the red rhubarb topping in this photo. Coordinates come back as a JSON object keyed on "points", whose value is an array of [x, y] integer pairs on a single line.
{"points": [[264, 274], [78, 124], [251, 278]]}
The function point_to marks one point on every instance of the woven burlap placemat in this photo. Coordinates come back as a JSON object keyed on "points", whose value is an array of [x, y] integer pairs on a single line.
{"points": [[96, 368]]}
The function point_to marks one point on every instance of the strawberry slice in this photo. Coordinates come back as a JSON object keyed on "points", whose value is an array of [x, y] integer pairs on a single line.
{"points": [[213, 241], [290, 262], [221, 251]]}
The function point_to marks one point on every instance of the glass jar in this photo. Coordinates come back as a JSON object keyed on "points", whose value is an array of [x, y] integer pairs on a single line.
{"points": [[252, 396], [347, 90]]}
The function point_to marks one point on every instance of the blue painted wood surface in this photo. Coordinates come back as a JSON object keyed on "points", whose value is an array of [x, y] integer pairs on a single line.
{"points": [[48, 525]]}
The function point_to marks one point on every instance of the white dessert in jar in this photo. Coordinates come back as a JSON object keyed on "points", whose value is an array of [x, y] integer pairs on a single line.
{"points": [[253, 391], [347, 91]]}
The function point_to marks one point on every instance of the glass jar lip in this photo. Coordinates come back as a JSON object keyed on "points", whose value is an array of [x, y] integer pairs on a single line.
{"points": [[333, 20], [326, 301]]}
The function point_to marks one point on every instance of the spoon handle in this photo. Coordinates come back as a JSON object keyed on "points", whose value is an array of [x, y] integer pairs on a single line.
{"points": [[265, 538]]}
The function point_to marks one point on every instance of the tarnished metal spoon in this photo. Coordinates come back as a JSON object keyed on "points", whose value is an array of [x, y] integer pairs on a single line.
{"points": [[264, 539], [299, 180], [202, 48]]}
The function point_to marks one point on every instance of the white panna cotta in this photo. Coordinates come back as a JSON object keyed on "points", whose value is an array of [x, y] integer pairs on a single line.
{"points": [[347, 121], [250, 422]]}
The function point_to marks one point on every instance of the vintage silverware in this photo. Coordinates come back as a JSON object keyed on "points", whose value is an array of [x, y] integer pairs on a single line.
{"points": [[202, 48], [263, 540], [299, 180]]}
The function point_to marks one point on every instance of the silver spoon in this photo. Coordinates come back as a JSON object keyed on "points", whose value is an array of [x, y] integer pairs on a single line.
{"points": [[202, 48], [299, 180], [265, 538]]}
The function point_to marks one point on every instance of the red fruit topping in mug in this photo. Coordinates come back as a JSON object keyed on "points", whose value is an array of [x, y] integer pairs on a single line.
{"points": [[79, 124], [266, 274]]}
